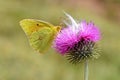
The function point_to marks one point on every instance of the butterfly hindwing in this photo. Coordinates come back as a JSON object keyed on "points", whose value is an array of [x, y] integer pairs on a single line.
{"points": [[41, 39]]}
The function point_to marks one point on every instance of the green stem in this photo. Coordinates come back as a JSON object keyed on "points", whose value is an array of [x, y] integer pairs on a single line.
{"points": [[86, 70]]}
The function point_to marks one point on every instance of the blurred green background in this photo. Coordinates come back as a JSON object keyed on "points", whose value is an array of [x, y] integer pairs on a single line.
{"points": [[18, 61]]}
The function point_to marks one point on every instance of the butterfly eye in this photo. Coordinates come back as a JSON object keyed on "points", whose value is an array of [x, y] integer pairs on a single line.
{"points": [[58, 28]]}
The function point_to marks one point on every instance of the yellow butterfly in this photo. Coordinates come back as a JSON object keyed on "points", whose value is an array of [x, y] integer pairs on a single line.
{"points": [[39, 33]]}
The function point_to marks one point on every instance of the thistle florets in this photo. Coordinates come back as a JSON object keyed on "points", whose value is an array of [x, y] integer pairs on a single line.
{"points": [[77, 40]]}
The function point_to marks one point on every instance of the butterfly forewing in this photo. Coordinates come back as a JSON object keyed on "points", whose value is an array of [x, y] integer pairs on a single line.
{"points": [[32, 25]]}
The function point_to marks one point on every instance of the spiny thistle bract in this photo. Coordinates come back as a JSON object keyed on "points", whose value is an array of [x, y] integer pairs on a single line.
{"points": [[77, 40]]}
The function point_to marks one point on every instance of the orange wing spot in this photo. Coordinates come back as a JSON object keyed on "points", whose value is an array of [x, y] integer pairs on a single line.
{"points": [[35, 28]]}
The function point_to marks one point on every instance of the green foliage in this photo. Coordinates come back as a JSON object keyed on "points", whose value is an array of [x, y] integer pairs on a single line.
{"points": [[18, 61]]}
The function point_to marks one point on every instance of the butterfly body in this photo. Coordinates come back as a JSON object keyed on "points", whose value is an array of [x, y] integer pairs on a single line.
{"points": [[40, 33]]}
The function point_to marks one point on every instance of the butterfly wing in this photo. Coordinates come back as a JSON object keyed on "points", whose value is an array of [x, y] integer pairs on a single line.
{"points": [[31, 25], [42, 39], [39, 33]]}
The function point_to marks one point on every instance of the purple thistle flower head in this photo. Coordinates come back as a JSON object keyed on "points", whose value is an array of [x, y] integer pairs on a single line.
{"points": [[77, 38]]}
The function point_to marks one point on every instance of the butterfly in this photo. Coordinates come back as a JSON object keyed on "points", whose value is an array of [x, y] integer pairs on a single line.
{"points": [[40, 33]]}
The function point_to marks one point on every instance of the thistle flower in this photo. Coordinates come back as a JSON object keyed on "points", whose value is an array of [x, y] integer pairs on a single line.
{"points": [[77, 40]]}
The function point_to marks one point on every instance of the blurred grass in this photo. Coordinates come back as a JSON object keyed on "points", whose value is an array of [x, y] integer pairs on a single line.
{"points": [[18, 61]]}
